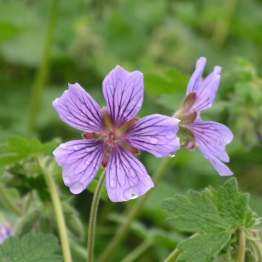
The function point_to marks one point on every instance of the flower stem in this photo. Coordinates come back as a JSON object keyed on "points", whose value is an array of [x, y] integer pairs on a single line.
{"points": [[173, 256], [42, 71], [10, 203], [138, 251], [92, 221], [242, 246], [133, 213], [59, 214]]}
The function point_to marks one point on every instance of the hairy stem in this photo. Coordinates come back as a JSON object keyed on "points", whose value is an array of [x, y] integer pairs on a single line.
{"points": [[92, 221], [9, 202], [242, 247], [42, 71], [59, 214], [132, 214], [173, 256]]}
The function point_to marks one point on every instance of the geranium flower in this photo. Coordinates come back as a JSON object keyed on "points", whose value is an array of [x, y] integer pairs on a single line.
{"points": [[112, 135], [5, 232], [210, 137]]}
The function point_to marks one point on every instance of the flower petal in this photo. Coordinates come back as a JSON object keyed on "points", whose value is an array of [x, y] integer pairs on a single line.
{"points": [[126, 177], [78, 109], [205, 90], [80, 160], [155, 134], [123, 92], [211, 138]]}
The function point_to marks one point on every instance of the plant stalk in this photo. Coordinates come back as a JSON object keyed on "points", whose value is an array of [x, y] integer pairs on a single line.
{"points": [[92, 221]]}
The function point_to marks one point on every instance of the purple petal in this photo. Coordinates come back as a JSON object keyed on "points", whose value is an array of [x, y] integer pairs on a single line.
{"points": [[205, 90], [126, 177], [155, 134], [123, 93], [80, 160], [78, 109], [211, 138]]}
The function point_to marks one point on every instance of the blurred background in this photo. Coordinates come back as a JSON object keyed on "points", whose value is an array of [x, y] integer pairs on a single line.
{"points": [[46, 44]]}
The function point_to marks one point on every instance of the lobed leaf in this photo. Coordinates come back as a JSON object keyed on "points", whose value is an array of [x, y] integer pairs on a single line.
{"points": [[30, 248], [203, 247]]}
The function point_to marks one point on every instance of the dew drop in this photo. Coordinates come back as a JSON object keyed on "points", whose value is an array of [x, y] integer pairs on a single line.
{"points": [[76, 188], [63, 146], [134, 196], [111, 86], [69, 117], [172, 154], [154, 140], [212, 128], [55, 101], [75, 147], [112, 183]]}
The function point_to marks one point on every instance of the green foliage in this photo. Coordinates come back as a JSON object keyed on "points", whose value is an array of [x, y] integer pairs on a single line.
{"points": [[215, 217], [30, 248]]}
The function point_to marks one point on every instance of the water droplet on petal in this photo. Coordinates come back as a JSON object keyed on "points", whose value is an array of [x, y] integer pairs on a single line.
{"points": [[111, 86], [154, 140], [63, 146], [212, 128], [112, 183], [75, 147], [69, 117], [55, 101], [172, 154], [76, 188], [134, 196]]}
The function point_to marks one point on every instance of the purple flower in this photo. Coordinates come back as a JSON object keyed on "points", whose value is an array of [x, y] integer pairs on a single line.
{"points": [[5, 232], [210, 137], [112, 136]]}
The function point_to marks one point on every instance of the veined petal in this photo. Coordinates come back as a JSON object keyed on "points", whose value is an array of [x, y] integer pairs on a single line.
{"points": [[205, 90], [155, 134], [80, 160], [211, 138], [126, 177], [196, 77], [78, 109], [123, 92]]}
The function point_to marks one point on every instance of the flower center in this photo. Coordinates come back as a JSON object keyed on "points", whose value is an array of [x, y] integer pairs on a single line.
{"points": [[112, 136]]}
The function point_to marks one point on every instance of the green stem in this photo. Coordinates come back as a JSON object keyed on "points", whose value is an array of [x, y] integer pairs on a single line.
{"points": [[173, 256], [137, 252], [9, 201], [242, 246], [221, 27], [59, 214], [92, 221], [133, 213], [42, 71]]}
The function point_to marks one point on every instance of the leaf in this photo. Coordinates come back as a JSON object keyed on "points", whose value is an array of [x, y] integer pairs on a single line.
{"points": [[232, 204], [18, 145], [196, 213], [9, 158], [203, 247], [30, 248]]}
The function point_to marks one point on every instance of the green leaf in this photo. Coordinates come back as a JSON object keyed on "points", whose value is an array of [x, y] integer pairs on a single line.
{"points": [[232, 204], [196, 213], [30, 248], [203, 247], [18, 145]]}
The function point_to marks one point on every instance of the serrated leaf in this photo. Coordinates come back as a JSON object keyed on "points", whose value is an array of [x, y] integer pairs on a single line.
{"points": [[232, 204], [30, 248], [203, 247], [196, 213]]}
